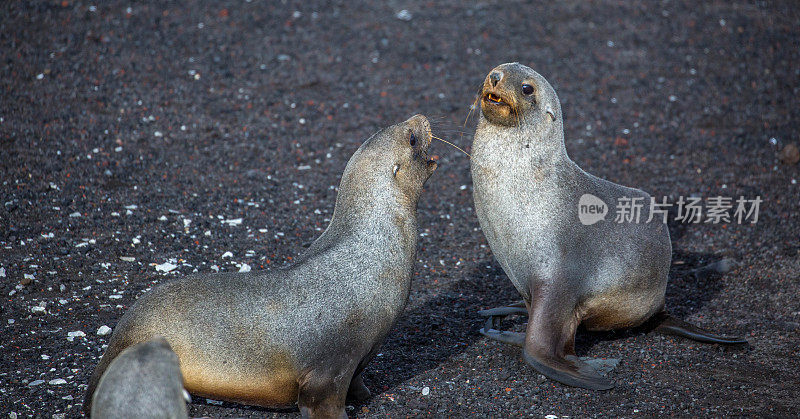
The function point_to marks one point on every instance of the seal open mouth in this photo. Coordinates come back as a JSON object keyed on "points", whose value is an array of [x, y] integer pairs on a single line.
{"points": [[494, 99]]}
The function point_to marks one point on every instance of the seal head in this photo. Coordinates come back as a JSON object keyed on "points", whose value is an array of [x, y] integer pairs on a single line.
{"points": [[513, 93]]}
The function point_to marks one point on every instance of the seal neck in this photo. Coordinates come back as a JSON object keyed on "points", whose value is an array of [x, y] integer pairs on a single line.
{"points": [[501, 146], [383, 223]]}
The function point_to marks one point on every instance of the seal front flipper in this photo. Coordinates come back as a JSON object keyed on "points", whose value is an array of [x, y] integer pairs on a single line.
{"points": [[568, 370], [322, 393], [670, 325], [550, 344]]}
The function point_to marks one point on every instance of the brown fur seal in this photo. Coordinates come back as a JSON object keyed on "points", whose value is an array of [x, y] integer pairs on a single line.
{"points": [[144, 381], [606, 275], [304, 333]]}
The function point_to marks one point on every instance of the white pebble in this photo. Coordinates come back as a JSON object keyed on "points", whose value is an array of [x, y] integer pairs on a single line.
{"points": [[57, 381], [76, 334], [426, 390], [404, 15], [35, 383], [165, 267], [103, 330], [245, 268], [227, 255]]}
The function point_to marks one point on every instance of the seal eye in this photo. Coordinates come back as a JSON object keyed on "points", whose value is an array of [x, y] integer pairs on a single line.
{"points": [[527, 89], [395, 169], [413, 140]]}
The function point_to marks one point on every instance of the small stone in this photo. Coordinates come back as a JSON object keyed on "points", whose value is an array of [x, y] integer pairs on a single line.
{"points": [[35, 383], [26, 279], [57, 381], [40, 309], [426, 390], [244, 268], [75, 214], [127, 258], [165, 267], [76, 334], [790, 154], [103, 330], [404, 15], [227, 255], [2, 272]]}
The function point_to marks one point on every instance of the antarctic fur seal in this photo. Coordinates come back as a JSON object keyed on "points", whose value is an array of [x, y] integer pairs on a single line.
{"points": [[301, 334], [605, 275], [144, 381]]}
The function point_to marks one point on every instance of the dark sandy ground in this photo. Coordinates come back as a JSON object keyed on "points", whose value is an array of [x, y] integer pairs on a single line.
{"points": [[142, 131]]}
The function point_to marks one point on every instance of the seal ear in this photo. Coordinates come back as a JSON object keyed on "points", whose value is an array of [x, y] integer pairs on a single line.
{"points": [[550, 112]]}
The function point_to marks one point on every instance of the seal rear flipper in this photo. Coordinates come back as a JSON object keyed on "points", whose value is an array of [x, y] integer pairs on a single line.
{"points": [[505, 311], [512, 338], [670, 325]]}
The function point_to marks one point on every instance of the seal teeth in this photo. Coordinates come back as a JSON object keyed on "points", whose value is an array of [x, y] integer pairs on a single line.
{"points": [[494, 98]]}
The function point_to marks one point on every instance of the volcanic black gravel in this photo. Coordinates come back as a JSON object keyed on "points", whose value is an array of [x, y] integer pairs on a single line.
{"points": [[138, 137]]}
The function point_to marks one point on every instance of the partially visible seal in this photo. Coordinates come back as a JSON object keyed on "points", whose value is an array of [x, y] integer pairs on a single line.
{"points": [[605, 275], [144, 381], [304, 333]]}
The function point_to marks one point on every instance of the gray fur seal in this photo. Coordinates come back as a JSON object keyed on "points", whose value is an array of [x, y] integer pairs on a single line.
{"points": [[144, 381], [304, 333], [605, 275]]}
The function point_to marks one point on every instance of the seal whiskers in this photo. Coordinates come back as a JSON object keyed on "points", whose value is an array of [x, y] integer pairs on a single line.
{"points": [[453, 145]]}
